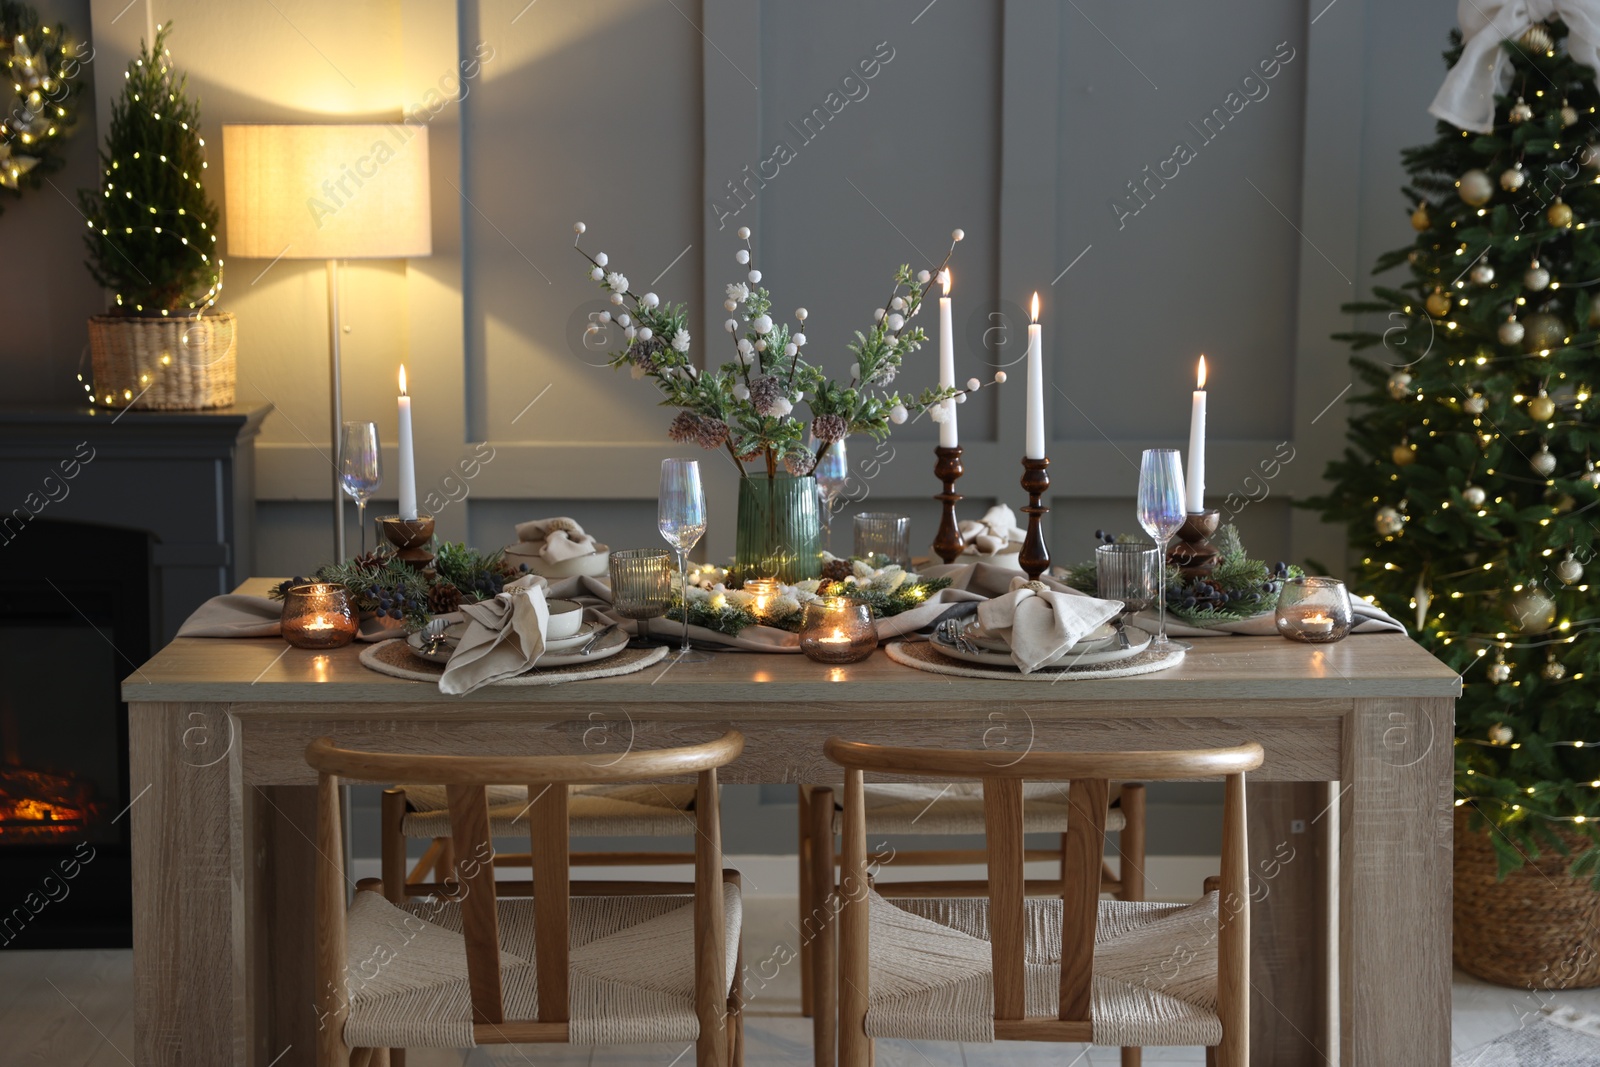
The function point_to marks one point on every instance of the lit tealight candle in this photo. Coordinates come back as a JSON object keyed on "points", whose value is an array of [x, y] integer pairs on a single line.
{"points": [[1317, 623], [319, 623], [765, 591]]}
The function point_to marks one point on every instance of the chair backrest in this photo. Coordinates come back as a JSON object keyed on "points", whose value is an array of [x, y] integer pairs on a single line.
{"points": [[1088, 775], [466, 779]]}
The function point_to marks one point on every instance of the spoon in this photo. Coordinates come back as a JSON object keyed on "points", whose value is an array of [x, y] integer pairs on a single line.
{"points": [[588, 646]]}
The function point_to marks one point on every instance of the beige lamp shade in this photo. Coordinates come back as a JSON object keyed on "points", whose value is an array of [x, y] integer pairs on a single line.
{"points": [[327, 192]]}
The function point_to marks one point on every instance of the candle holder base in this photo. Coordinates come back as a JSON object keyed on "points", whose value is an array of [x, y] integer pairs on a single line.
{"points": [[410, 538], [1034, 557], [948, 542], [1193, 553]]}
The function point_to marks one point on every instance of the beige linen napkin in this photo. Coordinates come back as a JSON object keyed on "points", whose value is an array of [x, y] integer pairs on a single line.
{"points": [[553, 540], [1040, 622], [995, 533], [504, 637]]}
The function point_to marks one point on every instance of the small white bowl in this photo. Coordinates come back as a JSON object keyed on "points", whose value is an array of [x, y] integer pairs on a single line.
{"points": [[566, 619], [596, 565]]}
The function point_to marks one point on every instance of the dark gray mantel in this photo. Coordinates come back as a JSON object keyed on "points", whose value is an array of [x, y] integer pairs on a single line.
{"points": [[187, 478]]}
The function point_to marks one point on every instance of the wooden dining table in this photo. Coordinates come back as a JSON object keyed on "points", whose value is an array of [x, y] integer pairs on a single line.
{"points": [[1350, 813]]}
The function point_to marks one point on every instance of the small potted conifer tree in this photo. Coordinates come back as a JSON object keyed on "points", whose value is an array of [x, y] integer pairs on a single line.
{"points": [[152, 242]]}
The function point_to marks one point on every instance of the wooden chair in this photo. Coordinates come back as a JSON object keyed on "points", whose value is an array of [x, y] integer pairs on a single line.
{"points": [[577, 962], [412, 812], [1073, 968], [953, 809]]}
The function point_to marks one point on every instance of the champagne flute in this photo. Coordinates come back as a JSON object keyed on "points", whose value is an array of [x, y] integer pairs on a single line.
{"points": [[1161, 513], [833, 471], [360, 468], [681, 517]]}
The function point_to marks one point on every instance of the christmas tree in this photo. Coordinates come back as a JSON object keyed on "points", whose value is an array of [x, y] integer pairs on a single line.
{"points": [[152, 230], [1470, 488]]}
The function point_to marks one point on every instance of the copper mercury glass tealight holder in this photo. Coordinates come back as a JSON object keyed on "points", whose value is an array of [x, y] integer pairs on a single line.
{"points": [[1314, 610], [318, 615], [837, 629]]}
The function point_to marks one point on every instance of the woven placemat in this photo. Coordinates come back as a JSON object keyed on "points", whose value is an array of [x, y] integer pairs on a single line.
{"points": [[394, 658], [925, 657]]}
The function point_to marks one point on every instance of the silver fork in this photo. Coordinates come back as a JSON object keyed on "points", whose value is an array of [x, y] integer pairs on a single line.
{"points": [[588, 646], [433, 635]]}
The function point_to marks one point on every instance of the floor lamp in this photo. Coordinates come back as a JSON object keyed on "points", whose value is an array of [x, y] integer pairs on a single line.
{"points": [[327, 192]]}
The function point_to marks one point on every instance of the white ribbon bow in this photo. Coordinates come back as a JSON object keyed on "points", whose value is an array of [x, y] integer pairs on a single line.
{"points": [[1466, 99]]}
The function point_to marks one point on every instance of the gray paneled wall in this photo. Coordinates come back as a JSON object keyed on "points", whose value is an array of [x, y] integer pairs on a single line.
{"points": [[1166, 193]]}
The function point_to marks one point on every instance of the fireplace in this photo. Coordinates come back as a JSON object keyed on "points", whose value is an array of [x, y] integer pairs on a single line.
{"points": [[76, 611]]}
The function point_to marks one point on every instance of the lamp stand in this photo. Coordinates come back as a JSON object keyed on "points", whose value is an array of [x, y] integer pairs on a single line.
{"points": [[335, 408]]}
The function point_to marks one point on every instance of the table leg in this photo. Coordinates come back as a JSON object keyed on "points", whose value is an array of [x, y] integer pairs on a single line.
{"points": [[190, 1004], [1394, 884]]}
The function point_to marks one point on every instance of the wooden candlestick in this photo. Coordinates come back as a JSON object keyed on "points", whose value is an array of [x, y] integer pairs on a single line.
{"points": [[1193, 554], [410, 537], [1034, 558], [948, 542]]}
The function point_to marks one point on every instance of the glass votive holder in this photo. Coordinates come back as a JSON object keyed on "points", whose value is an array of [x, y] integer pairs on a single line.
{"points": [[882, 534], [837, 629], [318, 615], [1127, 571], [1314, 610], [765, 591]]}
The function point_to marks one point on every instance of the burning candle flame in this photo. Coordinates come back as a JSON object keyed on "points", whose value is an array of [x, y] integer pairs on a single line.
{"points": [[1035, 308], [1200, 378], [944, 277], [402, 379]]}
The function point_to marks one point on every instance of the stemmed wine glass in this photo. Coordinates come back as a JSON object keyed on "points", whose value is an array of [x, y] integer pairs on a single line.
{"points": [[360, 468], [832, 472], [1161, 513], [681, 517]]}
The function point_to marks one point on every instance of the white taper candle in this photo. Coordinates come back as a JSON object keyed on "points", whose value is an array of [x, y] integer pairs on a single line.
{"points": [[407, 479]]}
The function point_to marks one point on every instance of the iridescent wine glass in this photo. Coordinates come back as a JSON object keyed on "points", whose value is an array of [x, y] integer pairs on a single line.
{"points": [[1161, 513], [681, 518], [360, 468]]}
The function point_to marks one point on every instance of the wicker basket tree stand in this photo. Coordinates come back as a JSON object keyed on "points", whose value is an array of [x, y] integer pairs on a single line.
{"points": [[184, 363], [1537, 929]]}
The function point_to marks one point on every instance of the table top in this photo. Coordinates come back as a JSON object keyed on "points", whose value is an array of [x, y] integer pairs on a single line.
{"points": [[266, 670]]}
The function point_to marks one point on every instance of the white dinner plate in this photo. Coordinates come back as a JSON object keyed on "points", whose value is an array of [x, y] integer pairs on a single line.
{"points": [[1138, 641], [557, 653], [605, 648], [585, 631]]}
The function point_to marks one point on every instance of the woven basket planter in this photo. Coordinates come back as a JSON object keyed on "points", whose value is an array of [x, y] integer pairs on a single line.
{"points": [[177, 364], [1538, 929]]}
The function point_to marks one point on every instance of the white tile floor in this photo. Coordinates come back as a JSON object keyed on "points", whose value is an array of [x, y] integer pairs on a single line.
{"points": [[65, 1009]]}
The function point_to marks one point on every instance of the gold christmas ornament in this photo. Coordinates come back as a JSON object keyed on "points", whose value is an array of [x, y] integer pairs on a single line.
{"points": [[1474, 495], [1403, 455], [1589, 155], [1438, 303], [1500, 733], [1475, 188], [1511, 331], [1536, 38], [1388, 521], [1419, 217], [1552, 669], [1533, 611], [1544, 331], [1569, 114], [1520, 111], [1541, 408], [1511, 178], [1592, 475], [1559, 214], [1399, 385], [1477, 403], [1482, 273]]}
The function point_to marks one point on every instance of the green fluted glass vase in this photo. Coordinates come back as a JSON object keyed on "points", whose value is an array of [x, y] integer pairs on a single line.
{"points": [[780, 529]]}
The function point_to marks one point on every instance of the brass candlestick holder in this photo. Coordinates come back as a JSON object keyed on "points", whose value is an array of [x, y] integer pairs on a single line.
{"points": [[1034, 558], [411, 538], [948, 542], [1193, 553]]}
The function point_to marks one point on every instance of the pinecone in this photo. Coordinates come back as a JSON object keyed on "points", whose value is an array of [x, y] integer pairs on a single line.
{"points": [[830, 428], [836, 570], [372, 562], [798, 463], [765, 392], [644, 354], [684, 427], [443, 597]]}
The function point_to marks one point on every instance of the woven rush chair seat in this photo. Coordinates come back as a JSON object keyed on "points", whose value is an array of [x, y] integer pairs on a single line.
{"points": [[957, 808], [1155, 970], [594, 811], [631, 969]]}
